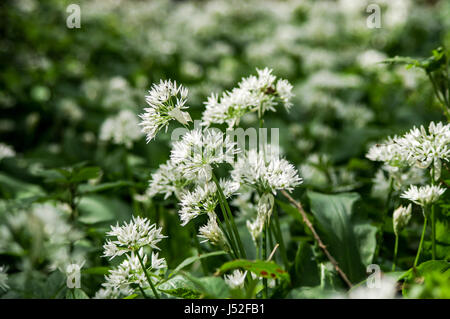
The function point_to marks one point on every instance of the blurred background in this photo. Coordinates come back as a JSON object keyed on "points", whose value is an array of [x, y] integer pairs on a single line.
{"points": [[71, 98]]}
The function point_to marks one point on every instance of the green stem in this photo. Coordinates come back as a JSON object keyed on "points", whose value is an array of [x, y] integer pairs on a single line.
{"points": [[279, 237], [383, 219], [143, 292], [433, 221], [264, 257], [147, 276], [395, 253], [230, 217], [421, 240]]}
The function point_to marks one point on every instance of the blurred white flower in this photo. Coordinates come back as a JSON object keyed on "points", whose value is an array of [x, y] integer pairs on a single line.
{"points": [[253, 94], [236, 279], [3, 278], [386, 289], [121, 129], [166, 101], [6, 151]]}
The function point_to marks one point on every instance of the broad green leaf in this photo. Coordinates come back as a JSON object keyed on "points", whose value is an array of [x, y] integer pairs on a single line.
{"points": [[96, 209], [95, 271], [305, 271], [88, 188], [84, 174], [17, 188], [266, 269], [181, 287], [76, 293], [350, 241], [193, 259], [210, 287]]}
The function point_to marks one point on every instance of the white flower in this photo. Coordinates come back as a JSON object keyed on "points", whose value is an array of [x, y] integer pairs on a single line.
{"points": [[166, 101], [253, 94], [3, 278], [236, 279], [401, 218], [121, 129], [127, 273], [423, 195], [158, 263], [132, 236], [417, 147], [203, 199], [167, 180], [264, 211], [198, 151], [6, 151], [265, 172], [211, 231]]}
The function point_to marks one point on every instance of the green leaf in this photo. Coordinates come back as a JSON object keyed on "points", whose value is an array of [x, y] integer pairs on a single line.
{"points": [[88, 188], [193, 259], [350, 241], [96, 209], [210, 287], [85, 173], [305, 271], [179, 286], [266, 269], [76, 293], [95, 271]]}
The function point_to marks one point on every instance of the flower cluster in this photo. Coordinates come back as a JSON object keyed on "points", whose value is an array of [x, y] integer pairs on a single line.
{"points": [[132, 239], [265, 171], [423, 195], [236, 279], [203, 199], [198, 151], [418, 147], [211, 232], [253, 94], [166, 101]]}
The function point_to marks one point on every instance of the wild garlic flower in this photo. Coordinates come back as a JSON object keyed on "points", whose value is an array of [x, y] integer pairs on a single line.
{"points": [[423, 195], [254, 94], [128, 273], [211, 232], [167, 180], [266, 172], [264, 211], [198, 151], [131, 237], [401, 218], [3, 278], [166, 101], [6, 151], [121, 129], [236, 279], [417, 147], [203, 199]]}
